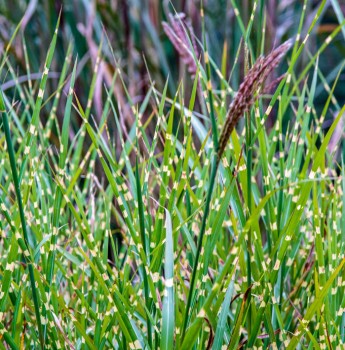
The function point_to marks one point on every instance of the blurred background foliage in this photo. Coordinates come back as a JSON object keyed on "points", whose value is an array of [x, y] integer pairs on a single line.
{"points": [[134, 41]]}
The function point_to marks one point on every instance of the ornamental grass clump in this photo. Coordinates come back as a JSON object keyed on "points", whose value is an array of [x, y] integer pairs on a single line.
{"points": [[127, 223]]}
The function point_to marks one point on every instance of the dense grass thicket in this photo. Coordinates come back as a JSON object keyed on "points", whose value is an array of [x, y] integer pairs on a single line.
{"points": [[172, 180]]}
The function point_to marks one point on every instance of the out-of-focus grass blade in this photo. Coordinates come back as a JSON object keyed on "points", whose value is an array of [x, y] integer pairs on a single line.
{"points": [[168, 320], [34, 123]]}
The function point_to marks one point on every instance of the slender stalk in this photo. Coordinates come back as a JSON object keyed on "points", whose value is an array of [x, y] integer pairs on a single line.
{"points": [[249, 200], [146, 252], [213, 173], [29, 263]]}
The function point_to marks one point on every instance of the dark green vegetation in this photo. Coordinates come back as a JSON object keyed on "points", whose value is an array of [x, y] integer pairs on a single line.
{"points": [[132, 214]]}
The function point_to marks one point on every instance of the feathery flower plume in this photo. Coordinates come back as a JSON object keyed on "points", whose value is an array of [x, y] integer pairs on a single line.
{"points": [[249, 91], [177, 32]]}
